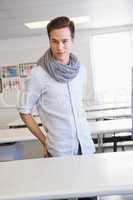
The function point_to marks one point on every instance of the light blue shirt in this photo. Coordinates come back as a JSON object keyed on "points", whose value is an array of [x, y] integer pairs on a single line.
{"points": [[61, 111]]}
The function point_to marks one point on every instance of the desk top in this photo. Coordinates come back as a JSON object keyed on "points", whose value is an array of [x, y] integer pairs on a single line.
{"points": [[102, 114], [95, 115], [99, 127], [16, 135], [111, 126], [67, 177], [107, 106], [19, 122]]}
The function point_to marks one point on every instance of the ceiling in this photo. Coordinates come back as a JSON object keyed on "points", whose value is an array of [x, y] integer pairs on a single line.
{"points": [[102, 13]]}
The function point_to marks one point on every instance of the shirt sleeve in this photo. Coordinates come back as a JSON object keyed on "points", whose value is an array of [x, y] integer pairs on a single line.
{"points": [[30, 93]]}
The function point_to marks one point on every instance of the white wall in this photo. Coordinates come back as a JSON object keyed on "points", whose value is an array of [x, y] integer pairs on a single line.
{"points": [[28, 49], [82, 50]]}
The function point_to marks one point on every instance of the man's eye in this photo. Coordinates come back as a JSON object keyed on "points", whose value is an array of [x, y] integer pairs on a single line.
{"points": [[54, 41], [65, 41]]}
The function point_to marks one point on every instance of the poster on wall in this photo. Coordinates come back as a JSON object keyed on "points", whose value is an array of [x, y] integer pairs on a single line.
{"points": [[9, 71], [25, 69]]}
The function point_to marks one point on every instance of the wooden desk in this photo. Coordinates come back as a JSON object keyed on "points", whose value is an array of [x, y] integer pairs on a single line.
{"points": [[67, 177]]}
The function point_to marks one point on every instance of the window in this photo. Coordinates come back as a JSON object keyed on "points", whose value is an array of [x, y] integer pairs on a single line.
{"points": [[112, 65]]}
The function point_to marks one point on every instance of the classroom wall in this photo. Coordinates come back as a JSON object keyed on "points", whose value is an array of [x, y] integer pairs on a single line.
{"points": [[29, 49]]}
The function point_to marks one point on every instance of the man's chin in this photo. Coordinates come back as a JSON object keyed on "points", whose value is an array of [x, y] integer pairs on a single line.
{"points": [[61, 58]]}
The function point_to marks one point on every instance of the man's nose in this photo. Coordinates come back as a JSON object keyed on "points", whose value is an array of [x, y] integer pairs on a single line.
{"points": [[60, 46]]}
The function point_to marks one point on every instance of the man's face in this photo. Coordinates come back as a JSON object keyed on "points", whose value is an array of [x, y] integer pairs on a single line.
{"points": [[61, 44]]}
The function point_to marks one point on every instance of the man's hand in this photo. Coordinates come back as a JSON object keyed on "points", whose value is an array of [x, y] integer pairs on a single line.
{"points": [[36, 131], [45, 150]]}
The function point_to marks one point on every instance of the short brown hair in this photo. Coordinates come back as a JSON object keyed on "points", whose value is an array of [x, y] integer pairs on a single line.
{"points": [[61, 22]]}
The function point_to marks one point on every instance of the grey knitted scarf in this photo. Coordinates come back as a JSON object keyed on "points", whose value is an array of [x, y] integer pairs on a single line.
{"points": [[59, 72]]}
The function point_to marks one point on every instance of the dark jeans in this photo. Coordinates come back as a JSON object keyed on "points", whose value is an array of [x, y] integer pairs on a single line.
{"points": [[85, 198], [88, 198]]}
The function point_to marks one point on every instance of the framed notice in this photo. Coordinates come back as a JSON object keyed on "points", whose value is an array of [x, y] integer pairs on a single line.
{"points": [[9, 71], [25, 69]]}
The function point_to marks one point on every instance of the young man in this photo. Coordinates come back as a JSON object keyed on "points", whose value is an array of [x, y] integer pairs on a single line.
{"points": [[56, 88]]}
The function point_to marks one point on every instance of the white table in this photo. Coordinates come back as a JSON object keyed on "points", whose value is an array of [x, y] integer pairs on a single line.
{"points": [[10, 114], [16, 135], [18, 122], [95, 115], [67, 177], [109, 106], [111, 126], [99, 128], [105, 114]]}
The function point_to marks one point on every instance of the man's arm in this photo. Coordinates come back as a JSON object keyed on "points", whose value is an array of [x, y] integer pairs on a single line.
{"points": [[35, 130]]}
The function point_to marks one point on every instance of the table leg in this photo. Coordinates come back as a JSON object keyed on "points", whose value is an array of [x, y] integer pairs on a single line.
{"points": [[100, 143]]}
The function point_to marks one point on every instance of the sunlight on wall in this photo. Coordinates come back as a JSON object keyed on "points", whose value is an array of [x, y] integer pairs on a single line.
{"points": [[112, 67]]}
